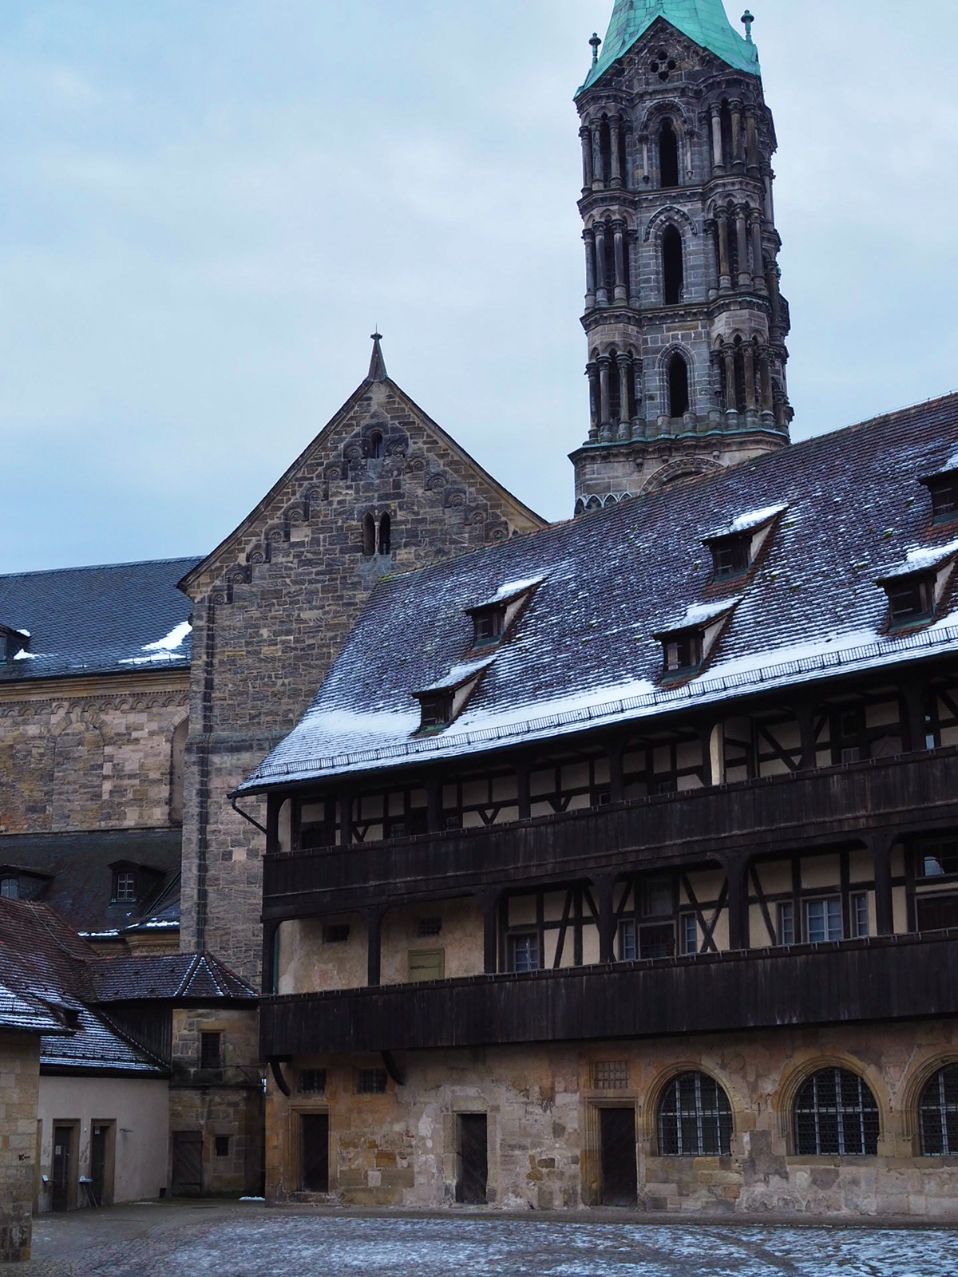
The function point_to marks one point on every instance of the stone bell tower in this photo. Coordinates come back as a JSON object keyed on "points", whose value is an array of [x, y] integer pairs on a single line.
{"points": [[685, 323]]}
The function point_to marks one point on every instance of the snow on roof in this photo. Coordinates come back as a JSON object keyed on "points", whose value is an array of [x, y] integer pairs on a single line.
{"points": [[700, 614], [584, 652], [506, 593], [459, 674], [922, 558], [170, 642], [746, 522]]}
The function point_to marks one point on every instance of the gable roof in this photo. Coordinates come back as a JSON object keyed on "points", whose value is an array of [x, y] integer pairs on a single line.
{"points": [[168, 977], [376, 379], [704, 22], [113, 619], [584, 652]]}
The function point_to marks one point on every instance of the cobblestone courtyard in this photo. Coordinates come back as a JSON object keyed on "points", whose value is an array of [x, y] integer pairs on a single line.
{"points": [[246, 1240]]}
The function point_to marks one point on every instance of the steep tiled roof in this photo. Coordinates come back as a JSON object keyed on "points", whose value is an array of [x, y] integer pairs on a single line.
{"points": [[175, 977], [46, 966], [80, 879], [584, 651], [97, 620]]}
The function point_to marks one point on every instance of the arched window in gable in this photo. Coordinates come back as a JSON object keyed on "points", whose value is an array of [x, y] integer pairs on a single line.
{"points": [[375, 447], [673, 266], [668, 154], [678, 377]]}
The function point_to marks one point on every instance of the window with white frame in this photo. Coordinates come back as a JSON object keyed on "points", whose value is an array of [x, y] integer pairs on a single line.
{"points": [[823, 919], [524, 952]]}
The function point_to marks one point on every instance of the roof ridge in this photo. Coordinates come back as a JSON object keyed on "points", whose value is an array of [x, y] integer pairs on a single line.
{"points": [[99, 567]]}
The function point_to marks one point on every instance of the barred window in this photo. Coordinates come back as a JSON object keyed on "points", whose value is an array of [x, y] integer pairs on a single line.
{"points": [[836, 1114], [312, 1082], [371, 1081], [695, 1118], [938, 1114], [610, 1075]]}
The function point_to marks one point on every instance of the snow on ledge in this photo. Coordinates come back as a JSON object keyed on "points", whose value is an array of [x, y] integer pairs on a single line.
{"points": [[920, 559]]}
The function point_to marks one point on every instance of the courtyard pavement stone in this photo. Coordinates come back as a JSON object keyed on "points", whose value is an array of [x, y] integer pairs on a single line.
{"points": [[248, 1240]]}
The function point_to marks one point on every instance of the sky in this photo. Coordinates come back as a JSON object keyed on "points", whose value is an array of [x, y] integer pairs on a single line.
{"points": [[207, 205]]}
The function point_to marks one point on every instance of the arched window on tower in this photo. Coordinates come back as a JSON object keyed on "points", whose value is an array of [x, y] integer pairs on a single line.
{"points": [[740, 400], [615, 397], [668, 154], [673, 268], [369, 536], [384, 545], [678, 373], [726, 122], [605, 148]]}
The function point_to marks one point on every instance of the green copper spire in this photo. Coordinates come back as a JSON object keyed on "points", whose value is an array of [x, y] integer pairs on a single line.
{"points": [[704, 21]]}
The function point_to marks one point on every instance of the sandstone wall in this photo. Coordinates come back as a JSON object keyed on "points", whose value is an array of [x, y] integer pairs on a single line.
{"points": [[19, 1078], [399, 1148]]}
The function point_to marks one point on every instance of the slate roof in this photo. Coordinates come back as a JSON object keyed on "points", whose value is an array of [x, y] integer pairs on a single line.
{"points": [[584, 651], [705, 22], [174, 977], [45, 965], [97, 620], [81, 881]]}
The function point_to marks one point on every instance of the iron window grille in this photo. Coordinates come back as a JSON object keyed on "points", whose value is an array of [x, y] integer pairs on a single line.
{"points": [[835, 1115], [312, 1082], [695, 1118], [938, 1114], [429, 927], [371, 1081], [610, 1075]]}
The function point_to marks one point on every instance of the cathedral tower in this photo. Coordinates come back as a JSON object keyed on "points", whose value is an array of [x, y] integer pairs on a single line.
{"points": [[685, 323]]}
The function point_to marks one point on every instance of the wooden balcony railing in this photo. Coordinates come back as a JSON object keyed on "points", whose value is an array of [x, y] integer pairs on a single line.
{"points": [[908, 793], [887, 978]]}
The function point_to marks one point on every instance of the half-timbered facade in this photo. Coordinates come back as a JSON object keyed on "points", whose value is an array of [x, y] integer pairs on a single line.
{"points": [[655, 899]]}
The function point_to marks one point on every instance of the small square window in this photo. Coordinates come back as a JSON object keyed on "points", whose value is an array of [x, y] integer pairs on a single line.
{"points": [[211, 1050], [436, 710], [657, 941], [488, 625], [610, 1075], [524, 952], [312, 1082], [682, 653], [336, 933], [221, 1144], [124, 886], [431, 926], [602, 798], [823, 920], [911, 599], [371, 1081], [730, 557], [944, 497]]}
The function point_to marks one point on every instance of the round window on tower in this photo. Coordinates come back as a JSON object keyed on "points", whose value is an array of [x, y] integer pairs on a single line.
{"points": [[662, 65]]}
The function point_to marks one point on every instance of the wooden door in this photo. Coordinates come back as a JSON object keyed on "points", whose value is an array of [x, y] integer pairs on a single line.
{"points": [[619, 1175], [101, 1162], [472, 1184], [315, 1152], [187, 1163], [64, 1157]]}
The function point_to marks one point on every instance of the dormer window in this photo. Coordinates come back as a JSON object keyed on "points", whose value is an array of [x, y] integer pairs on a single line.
{"points": [[10, 888], [488, 625], [943, 489], [731, 557], [124, 886], [911, 599], [436, 710], [13, 643], [682, 652]]}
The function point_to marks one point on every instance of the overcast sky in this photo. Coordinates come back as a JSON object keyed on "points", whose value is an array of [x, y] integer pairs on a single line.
{"points": [[207, 205]]}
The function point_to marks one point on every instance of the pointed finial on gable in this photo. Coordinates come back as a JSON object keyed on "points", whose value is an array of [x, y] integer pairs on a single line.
{"points": [[377, 365], [595, 42], [748, 18]]}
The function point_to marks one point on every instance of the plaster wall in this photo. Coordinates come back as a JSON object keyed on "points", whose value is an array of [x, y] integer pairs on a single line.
{"points": [[140, 1110]]}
